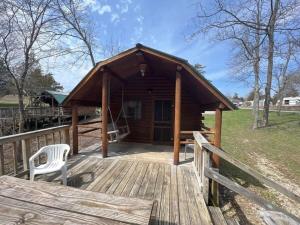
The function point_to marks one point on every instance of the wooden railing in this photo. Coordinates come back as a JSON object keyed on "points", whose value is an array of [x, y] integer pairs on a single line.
{"points": [[15, 150], [11, 112], [205, 173], [187, 137]]}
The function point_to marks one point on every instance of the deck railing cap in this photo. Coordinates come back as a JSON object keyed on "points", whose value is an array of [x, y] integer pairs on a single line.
{"points": [[30, 134]]}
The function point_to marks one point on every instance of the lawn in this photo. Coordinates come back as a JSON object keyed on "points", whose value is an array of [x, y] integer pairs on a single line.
{"points": [[11, 101], [279, 143]]}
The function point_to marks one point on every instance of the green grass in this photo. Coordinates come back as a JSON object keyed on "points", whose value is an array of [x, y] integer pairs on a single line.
{"points": [[279, 143], [5, 105], [11, 101]]}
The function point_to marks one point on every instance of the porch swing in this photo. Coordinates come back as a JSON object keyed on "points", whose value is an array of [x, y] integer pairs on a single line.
{"points": [[117, 133]]}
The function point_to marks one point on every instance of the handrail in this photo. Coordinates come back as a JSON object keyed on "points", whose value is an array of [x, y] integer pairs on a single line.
{"points": [[187, 136], [209, 172], [19, 147], [30, 134], [202, 165]]}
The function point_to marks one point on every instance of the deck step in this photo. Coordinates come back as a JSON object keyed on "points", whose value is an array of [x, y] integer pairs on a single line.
{"points": [[217, 216]]}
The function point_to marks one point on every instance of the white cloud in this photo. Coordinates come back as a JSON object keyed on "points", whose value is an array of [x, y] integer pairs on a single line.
{"points": [[124, 6], [140, 19], [124, 9], [89, 3], [103, 9], [115, 17], [95, 6], [137, 8]]}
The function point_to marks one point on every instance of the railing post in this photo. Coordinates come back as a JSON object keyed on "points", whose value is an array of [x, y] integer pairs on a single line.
{"points": [[67, 136], [1, 161], [104, 110], [205, 180], [201, 160], [216, 158], [75, 129], [26, 153], [15, 157]]}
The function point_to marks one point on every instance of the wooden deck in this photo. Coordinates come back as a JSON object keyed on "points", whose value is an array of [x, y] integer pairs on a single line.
{"points": [[26, 202], [175, 188]]}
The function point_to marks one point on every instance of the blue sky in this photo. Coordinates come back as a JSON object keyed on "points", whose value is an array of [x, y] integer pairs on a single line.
{"points": [[163, 25]]}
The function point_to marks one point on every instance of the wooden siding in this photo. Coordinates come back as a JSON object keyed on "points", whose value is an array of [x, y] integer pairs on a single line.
{"points": [[148, 89]]}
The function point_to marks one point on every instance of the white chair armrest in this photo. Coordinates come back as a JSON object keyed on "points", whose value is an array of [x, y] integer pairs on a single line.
{"points": [[34, 156], [67, 153]]}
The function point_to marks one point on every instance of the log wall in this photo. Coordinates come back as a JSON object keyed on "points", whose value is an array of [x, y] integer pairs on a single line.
{"points": [[148, 89]]}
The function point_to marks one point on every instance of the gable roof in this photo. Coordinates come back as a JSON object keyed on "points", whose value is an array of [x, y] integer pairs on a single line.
{"points": [[159, 54], [59, 97]]}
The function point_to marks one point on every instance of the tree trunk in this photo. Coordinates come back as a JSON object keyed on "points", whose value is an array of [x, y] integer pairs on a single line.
{"points": [[270, 64], [256, 96], [21, 111], [90, 51], [269, 81], [256, 68], [91, 55], [280, 103], [284, 80]]}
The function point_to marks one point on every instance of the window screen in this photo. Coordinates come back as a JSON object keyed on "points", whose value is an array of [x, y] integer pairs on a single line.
{"points": [[133, 109]]}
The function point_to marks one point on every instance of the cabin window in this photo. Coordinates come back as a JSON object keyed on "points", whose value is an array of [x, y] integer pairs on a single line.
{"points": [[133, 109], [286, 102]]}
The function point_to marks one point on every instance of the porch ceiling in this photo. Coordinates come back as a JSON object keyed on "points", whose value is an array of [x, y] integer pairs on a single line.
{"points": [[127, 64]]}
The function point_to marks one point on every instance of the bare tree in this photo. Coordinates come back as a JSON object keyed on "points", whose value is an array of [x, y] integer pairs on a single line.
{"points": [[111, 47], [24, 35], [270, 30], [260, 18], [246, 35], [78, 25], [285, 68], [250, 55]]}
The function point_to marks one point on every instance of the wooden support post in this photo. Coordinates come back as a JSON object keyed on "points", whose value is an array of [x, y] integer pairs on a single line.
{"points": [[104, 109], [67, 136], [15, 158], [1, 160], [216, 158], [177, 119], [26, 153], [75, 129], [217, 139]]}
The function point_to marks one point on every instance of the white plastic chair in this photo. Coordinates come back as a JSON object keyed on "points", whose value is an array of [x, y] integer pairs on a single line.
{"points": [[56, 160]]}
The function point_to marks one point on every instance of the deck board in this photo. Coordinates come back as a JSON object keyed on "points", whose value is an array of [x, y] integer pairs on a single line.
{"points": [[39, 203], [175, 188]]}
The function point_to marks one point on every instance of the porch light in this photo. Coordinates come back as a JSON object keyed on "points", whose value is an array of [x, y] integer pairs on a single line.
{"points": [[143, 69]]}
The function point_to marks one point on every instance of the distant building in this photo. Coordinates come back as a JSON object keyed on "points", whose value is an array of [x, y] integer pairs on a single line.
{"points": [[237, 102], [53, 98], [261, 103], [290, 101]]}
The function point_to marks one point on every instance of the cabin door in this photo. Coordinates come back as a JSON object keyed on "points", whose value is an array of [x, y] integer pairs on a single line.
{"points": [[162, 121]]}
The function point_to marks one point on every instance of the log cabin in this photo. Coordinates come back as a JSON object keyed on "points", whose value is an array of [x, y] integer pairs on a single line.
{"points": [[162, 98]]}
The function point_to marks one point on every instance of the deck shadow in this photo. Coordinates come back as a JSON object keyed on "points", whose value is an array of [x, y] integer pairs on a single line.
{"points": [[239, 176], [230, 198], [245, 180], [79, 180]]}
